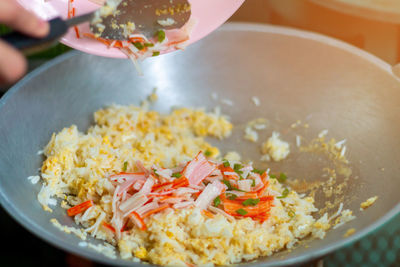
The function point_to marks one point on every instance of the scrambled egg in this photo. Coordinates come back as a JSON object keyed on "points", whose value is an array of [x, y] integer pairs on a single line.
{"points": [[369, 202], [275, 148]]}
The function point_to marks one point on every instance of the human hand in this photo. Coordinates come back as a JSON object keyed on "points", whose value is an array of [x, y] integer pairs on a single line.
{"points": [[12, 63]]}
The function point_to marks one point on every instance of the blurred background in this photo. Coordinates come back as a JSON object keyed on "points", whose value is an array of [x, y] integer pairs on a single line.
{"points": [[373, 25]]}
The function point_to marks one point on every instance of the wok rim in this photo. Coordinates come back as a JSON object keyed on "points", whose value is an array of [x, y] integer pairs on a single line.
{"points": [[41, 233]]}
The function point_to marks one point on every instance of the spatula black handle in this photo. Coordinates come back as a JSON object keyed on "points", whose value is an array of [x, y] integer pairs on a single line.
{"points": [[27, 44]]}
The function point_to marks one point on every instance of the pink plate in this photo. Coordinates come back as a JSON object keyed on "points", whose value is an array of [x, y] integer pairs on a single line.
{"points": [[209, 14]]}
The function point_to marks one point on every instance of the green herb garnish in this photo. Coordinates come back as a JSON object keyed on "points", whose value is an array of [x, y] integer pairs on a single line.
{"points": [[272, 176], [138, 45], [148, 44], [285, 193], [253, 184], [228, 184], [241, 211], [156, 53], [231, 196], [161, 36], [251, 202], [282, 178], [176, 175], [207, 153], [217, 201], [226, 164], [260, 172], [237, 167], [125, 166], [155, 172]]}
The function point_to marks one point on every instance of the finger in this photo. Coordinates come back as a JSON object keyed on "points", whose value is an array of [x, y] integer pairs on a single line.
{"points": [[16, 17], [12, 64]]}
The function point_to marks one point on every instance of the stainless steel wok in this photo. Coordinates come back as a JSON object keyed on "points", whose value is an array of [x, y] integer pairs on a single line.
{"points": [[296, 75]]}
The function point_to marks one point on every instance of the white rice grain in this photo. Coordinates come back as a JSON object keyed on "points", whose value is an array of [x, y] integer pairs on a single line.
{"points": [[34, 179]]}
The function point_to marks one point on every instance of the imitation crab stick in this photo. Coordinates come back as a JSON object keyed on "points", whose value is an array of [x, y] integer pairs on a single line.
{"points": [[211, 191], [208, 214], [246, 212], [124, 227], [79, 208], [138, 220], [161, 208], [181, 182], [109, 226], [228, 172], [71, 13], [127, 176], [200, 184], [237, 209], [198, 169]]}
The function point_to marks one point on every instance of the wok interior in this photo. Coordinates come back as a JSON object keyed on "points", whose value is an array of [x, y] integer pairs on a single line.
{"points": [[295, 77]]}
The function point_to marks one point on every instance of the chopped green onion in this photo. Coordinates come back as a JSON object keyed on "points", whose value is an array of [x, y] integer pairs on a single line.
{"points": [[260, 172], [176, 175], [155, 172], [226, 164], [156, 53], [231, 196], [125, 166], [138, 45], [282, 178], [253, 184], [207, 153], [217, 201], [285, 193], [148, 44], [228, 184], [251, 202], [241, 211], [161, 36], [237, 167], [272, 176], [291, 213]]}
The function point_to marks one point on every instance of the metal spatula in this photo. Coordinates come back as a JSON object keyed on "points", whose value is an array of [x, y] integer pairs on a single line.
{"points": [[147, 16]]}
